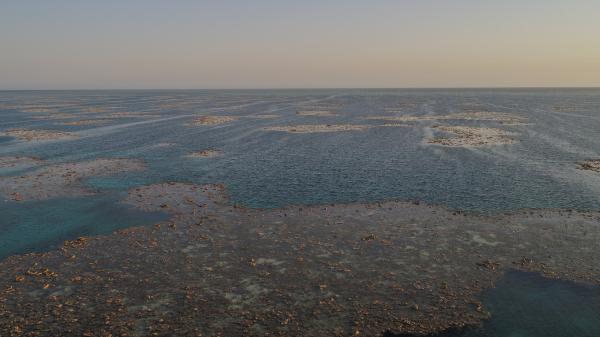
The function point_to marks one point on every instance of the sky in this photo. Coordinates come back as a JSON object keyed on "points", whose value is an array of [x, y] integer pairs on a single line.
{"points": [[177, 44]]}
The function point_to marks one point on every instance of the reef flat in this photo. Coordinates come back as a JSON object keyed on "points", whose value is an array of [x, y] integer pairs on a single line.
{"points": [[324, 270]]}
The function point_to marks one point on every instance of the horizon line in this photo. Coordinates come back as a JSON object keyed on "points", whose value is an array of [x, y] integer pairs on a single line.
{"points": [[315, 88]]}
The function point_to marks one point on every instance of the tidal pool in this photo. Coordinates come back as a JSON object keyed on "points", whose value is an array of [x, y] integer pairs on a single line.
{"points": [[528, 305], [43, 225]]}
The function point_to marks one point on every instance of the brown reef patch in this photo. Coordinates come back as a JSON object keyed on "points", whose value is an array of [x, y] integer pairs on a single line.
{"points": [[62, 179], [318, 128], [37, 135], [466, 136], [589, 165], [213, 120]]}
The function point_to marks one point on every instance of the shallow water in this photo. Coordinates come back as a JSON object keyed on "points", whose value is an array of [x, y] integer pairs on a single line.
{"points": [[273, 169]]}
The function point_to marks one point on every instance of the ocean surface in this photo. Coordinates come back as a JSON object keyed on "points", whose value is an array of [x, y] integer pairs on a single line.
{"points": [[269, 169]]}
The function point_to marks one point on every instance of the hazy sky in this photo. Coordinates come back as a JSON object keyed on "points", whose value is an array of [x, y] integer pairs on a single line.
{"points": [[300, 44]]}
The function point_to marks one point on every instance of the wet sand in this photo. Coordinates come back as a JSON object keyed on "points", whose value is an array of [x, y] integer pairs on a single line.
{"points": [[323, 270]]}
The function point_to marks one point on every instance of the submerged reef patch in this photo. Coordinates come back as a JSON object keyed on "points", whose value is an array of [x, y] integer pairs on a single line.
{"points": [[205, 153], [213, 120], [501, 117], [316, 128], [265, 116], [316, 113], [126, 114], [87, 122], [18, 162], [52, 116]]}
